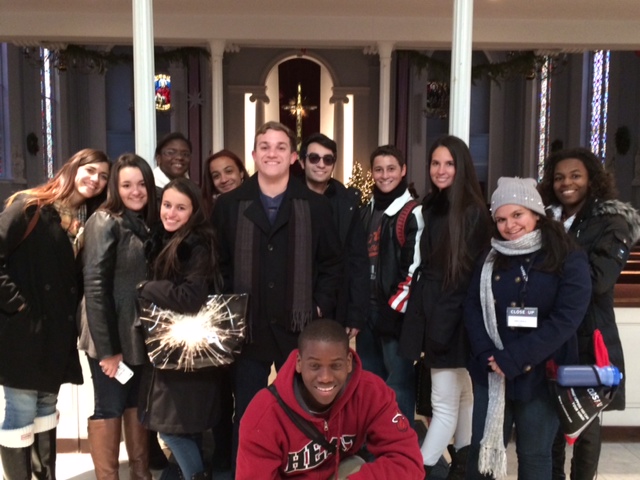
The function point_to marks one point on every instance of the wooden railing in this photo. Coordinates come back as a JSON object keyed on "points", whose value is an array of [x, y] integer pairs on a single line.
{"points": [[627, 289]]}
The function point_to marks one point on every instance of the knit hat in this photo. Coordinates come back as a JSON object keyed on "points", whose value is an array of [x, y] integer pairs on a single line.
{"points": [[517, 191]]}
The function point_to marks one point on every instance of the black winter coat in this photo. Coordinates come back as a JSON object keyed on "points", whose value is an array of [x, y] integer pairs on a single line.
{"points": [[175, 401], [606, 231], [113, 264], [353, 296], [434, 322], [270, 319], [37, 345]]}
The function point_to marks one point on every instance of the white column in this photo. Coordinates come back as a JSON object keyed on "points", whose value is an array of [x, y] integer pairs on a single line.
{"points": [[217, 110], [143, 82], [460, 101], [384, 51], [338, 100], [260, 98]]}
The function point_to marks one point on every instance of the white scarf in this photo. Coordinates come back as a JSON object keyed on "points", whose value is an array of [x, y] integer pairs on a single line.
{"points": [[493, 454]]}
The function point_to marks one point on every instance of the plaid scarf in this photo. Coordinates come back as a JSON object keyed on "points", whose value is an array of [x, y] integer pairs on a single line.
{"points": [[299, 262]]}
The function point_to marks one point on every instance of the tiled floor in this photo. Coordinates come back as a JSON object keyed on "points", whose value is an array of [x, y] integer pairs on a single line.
{"points": [[619, 461]]}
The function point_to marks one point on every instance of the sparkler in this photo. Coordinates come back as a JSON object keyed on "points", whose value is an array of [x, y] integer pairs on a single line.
{"points": [[210, 337]]}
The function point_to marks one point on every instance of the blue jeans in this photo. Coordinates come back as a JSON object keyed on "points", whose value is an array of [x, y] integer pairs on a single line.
{"points": [[111, 398], [187, 449], [23, 406], [536, 425], [379, 354]]}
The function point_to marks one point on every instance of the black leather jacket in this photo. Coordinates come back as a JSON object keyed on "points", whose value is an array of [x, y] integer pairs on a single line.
{"points": [[113, 264], [396, 264]]}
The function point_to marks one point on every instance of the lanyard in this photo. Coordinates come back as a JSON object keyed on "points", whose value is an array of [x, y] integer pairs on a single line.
{"points": [[525, 281]]}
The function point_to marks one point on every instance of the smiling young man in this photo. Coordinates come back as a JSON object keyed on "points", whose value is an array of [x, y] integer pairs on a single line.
{"points": [[278, 243], [318, 159], [394, 224], [323, 384]]}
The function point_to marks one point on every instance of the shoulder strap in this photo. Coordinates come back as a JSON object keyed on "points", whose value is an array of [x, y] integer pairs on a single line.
{"points": [[305, 426], [402, 220], [31, 226]]}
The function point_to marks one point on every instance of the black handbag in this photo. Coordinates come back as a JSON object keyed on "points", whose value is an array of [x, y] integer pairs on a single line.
{"points": [[423, 388], [210, 338]]}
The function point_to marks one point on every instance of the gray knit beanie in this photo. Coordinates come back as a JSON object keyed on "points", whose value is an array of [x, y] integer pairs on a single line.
{"points": [[517, 191]]}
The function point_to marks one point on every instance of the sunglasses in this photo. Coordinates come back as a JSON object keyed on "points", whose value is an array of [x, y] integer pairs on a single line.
{"points": [[328, 160]]}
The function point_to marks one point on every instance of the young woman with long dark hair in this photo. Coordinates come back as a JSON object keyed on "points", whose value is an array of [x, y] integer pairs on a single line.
{"points": [[178, 404], [41, 233], [114, 263], [457, 227]]}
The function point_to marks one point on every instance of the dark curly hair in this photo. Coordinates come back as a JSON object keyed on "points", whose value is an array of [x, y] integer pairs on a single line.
{"points": [[601, 184]]}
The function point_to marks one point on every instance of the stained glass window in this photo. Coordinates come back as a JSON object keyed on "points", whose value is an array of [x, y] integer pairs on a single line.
{"points": [[3, 112], [600, 102], [163, 92], [544, 115], [47, 109]]}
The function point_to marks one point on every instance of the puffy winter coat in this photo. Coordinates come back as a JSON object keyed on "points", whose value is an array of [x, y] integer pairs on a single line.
{"points": [[606, 230]]}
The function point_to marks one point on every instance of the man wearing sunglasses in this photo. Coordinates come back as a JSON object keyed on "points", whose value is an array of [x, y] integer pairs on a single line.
{"points": [[318, 159]]}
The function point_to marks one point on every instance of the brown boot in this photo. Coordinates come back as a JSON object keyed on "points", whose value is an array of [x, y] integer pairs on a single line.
{"points": [[104, 444], [136, 439]]}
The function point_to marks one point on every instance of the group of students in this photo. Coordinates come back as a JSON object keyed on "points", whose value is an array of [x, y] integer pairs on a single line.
{"points": [[406, 279]]}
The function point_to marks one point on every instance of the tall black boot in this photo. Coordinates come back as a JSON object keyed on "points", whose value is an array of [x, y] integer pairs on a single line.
{"points": [[15, 451], [558, 456], [43, 455], [43, 449], [586, 452], [459, 461], [16, 463]]}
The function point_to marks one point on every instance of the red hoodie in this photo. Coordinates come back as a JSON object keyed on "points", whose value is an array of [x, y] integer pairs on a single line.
{"points": [[272, 447]]}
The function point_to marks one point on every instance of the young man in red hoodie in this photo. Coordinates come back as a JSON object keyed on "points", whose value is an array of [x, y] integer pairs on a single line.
{"points": [[323, 386]]}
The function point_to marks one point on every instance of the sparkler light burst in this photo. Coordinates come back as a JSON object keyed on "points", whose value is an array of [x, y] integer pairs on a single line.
{"points": [[211, 337]]}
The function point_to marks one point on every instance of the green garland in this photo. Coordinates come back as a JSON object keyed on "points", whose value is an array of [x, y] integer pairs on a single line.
{"points": [[518, 64], [76, 56]]}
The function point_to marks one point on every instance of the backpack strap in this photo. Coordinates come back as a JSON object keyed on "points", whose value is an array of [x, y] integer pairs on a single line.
{"points": [[402, 220], [304, 425]]}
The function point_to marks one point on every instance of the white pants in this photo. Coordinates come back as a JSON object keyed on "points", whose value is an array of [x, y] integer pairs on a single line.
{"points": [[452, 401]]}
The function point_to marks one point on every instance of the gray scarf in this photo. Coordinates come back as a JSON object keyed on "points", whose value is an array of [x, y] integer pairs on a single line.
{"points": [[493, 454]]}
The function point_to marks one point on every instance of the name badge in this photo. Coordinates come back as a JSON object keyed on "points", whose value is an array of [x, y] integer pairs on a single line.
{"points": [[523, 317]]}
